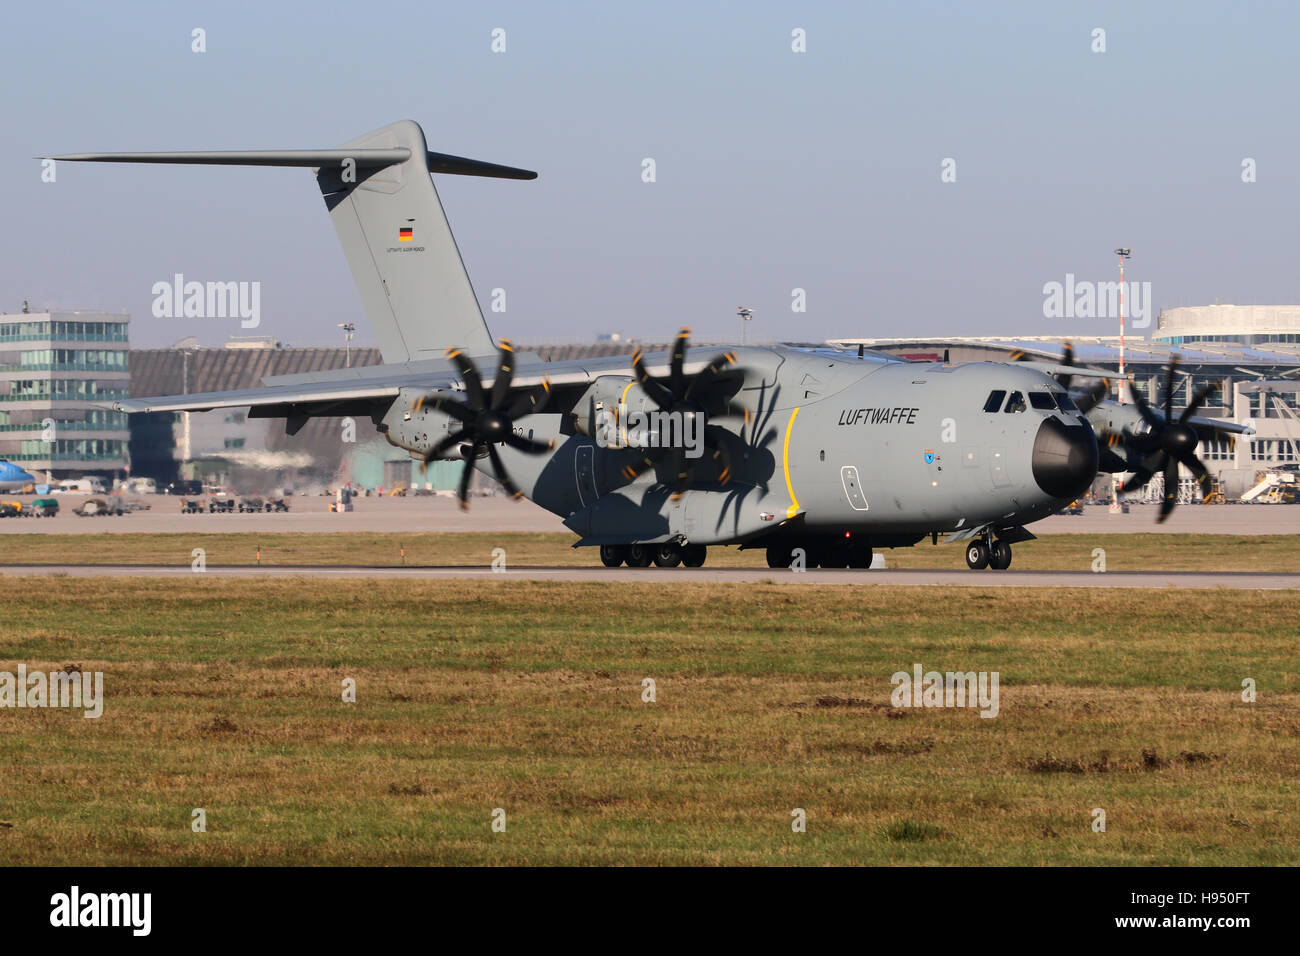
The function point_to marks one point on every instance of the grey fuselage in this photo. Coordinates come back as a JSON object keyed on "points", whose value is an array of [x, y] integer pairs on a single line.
{"points": [[833, 444]]}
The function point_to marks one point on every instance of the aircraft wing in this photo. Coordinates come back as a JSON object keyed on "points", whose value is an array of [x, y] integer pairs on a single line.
{"points": [[252, 397], [373, 383], [1219, 425]]}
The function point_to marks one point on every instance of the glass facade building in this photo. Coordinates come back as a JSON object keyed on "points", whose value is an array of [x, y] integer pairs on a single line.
{"points": [[57, 372]]}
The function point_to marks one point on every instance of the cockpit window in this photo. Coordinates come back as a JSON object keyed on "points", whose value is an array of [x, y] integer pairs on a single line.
{"points": [[995, 400], [1042, 401], [1016, 403], [1067, 404]]}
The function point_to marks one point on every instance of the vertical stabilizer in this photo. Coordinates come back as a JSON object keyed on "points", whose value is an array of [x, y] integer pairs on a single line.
{"points": [[401, 251], [394, 234]]}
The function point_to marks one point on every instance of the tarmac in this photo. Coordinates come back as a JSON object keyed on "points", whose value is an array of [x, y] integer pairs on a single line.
{"points": [[497, 513], [494, 513]]}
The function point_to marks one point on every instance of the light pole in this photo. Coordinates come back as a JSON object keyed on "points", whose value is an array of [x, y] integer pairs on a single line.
{"points": [[349, 329], [1123, 255], [1116, 507], [745, 315]]}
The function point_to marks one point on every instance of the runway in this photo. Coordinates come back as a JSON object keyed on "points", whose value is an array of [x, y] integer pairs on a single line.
{"points": [[1234, 580], [310, 514]]}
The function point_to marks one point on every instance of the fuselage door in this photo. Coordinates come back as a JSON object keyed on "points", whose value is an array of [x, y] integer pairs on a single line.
{"points": [[853, 488], [585, 473]]}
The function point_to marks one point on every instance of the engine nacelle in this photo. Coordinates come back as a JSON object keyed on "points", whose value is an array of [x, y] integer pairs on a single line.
{"points": [[603, 411], [419, 429]]}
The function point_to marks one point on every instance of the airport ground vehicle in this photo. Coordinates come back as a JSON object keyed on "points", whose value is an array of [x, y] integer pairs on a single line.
{"points": [[84, 486], [140, 486], [99, 507], [10, 509], [45, 507], [185, 486], [221, 506], [191, 507]]}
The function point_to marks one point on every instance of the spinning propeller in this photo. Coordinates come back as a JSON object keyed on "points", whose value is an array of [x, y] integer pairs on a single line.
{"points": [[487, 419], [696, 396], [1168, 443]]}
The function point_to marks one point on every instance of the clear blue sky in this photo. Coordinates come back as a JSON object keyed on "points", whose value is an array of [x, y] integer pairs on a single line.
{"points": [[775, 170]]}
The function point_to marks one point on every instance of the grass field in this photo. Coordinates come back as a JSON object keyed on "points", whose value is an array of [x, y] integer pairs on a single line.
{"points": [[527, 696], [1063, 552]]}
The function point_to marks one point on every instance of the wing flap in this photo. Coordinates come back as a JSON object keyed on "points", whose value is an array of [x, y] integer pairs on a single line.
{"points": [[253, 397]]}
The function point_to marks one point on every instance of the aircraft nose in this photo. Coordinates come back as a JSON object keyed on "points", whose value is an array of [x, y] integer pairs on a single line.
{"points": [[1065, 458]]}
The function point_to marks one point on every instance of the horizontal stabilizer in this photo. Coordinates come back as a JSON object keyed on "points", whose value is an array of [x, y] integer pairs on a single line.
{"points": [[309, 158]]}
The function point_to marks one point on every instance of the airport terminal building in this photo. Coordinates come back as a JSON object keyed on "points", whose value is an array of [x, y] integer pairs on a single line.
{"points": [[55, 368]]}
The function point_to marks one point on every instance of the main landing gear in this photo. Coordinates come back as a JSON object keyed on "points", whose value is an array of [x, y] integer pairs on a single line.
{"points": [[987, 553], [666, 555], [821, 553]]}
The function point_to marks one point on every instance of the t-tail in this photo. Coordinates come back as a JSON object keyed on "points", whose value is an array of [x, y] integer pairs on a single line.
{"points": [[392, 227]]}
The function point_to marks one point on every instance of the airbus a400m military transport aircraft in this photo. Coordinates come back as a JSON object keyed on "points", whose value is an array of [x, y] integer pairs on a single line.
{"points": [[832, 452]]}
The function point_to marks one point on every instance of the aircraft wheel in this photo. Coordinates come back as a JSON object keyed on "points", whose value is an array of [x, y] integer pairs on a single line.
{"points": [[612, 555], [860, 556], [779, 555], [639, 556], [1000, 556], [693, 555], [977, 556], [835, 556], [668, 556]]}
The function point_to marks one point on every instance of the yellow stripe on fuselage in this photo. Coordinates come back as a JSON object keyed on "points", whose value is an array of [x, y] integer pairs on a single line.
{"points": [[619, 412], [785, 462]]}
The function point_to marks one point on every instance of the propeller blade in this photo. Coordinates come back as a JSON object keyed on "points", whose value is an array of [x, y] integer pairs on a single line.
{"points": [[530, 402], [502, 475], [441, 403], [1144, 409], [710, 373], [1202, 393], [1067, 358], [658, 394], [469, 372], [1169, 388], [1089, 399], [1110, 462], [454, 438], [1143, 472], [676, 381], [505, 373], [1203, 479], [630, 472], [1171, 490], [528, 445], [462, 492]]}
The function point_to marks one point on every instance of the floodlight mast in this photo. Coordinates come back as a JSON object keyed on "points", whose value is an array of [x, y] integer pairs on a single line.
{"points": [[349, 329], [745, 315], [1123, 255], [1116, 507]]}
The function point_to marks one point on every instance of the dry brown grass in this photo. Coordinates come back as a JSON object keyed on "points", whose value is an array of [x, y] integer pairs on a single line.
{"points": [[527, 696]]}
